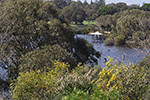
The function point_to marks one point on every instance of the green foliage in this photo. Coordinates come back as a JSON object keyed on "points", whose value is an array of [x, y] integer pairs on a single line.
{"points": [[144, 62], [81, 78], [126, 32], [131, 81], [91, 11], [116, 81], [135, 20], [100, 94], [120, 40], [104, 10], [86, 50], [26, 26], [139, 35], [95, 95], [105, 22], [36, 84], [73, 13], [53, 84], [109, 42], [134, 6], [128, 23], [88, 29], [23, 27], [61, 3], [45, 57], [146, 7], [77, 95]]}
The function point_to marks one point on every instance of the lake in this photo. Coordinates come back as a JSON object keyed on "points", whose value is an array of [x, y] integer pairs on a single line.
{"points": [[119, 53]]}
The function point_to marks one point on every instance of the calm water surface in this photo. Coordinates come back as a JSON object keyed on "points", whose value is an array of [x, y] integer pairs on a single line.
{"points": [[130, 55]]}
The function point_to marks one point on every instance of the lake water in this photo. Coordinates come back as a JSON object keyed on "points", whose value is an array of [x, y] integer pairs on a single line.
{"points": [[129, 55]]}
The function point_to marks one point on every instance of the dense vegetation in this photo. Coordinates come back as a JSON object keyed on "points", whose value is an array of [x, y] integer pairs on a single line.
{"points": [[131, 23], [33, 29], [114, 82], [45, 61]]}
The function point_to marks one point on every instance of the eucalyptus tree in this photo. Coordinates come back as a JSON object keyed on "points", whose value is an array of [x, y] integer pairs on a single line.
{"points": [[30, 25], [61, 3], [146, 7], [74, 12], [24, 27]]}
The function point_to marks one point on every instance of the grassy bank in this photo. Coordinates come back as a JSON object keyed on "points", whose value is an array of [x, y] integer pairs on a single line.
{"points": [[84, 24]]}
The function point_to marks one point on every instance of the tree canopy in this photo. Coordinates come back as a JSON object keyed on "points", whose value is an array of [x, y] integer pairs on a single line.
{"points": [[27, 26], [146, 7], [74, 12], [104, 10]]}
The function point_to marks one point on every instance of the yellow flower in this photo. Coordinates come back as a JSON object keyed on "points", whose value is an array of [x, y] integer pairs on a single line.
{"points": [[101, 90], [108, 83], [108, 62], [38, 71], [117, 70]]}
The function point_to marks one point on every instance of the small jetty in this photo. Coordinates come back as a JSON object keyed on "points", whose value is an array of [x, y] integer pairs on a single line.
{"points": [[97, 36]]}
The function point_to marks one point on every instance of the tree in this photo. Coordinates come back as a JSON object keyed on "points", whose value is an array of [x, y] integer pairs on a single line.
{"points": [[101, 2], [105, 22], [120, 40], [27, 25], [104, 10], [121, 6], [23, 29], [135, 20], [74, 12], [91, 11], [44, 58], [134, 6], [91, 2], [62, 3], [85, 3], [146, 6]]}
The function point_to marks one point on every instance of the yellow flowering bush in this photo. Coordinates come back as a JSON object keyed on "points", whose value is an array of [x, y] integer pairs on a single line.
{"points": [[132, 81], [36, 84]]}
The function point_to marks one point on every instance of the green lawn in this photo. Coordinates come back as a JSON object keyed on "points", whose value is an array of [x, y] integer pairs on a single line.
{"points": [[85, 23], [89, 22]]}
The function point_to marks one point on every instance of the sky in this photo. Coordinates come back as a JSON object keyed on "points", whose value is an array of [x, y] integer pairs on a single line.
{"points": [[128, 2]]}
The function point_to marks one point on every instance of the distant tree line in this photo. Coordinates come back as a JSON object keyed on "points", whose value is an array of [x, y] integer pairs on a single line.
{"points": [[77, 12], [127, 24]]}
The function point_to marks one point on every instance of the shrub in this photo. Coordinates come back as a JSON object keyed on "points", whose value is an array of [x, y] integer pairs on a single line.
{"points": [[109, 42], [54, 84], [126, 32], [37, 85], [45, 57], [120, 40], [97, 94], [88, 29], [132, 81], [145, 62], [77, 95], [116, 81], [139, 36], [81, 78]]}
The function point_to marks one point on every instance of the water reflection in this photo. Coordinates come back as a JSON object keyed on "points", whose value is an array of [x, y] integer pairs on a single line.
{"points": [[123, 53]]}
